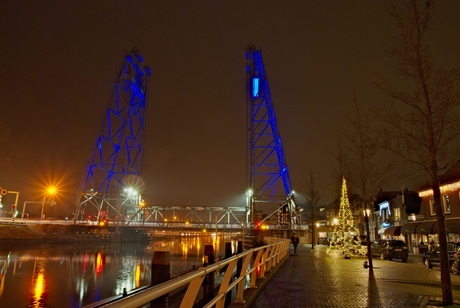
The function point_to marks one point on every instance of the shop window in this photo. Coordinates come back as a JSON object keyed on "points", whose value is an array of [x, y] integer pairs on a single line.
{"points": [[385, 215], [432, 208], [397, 214], [446, 204]]}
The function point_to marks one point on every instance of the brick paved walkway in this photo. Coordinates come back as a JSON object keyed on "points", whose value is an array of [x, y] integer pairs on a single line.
{"points": [[320, 279]]}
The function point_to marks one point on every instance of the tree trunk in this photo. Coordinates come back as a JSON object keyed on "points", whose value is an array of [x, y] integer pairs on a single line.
{"points": [[446, 286]]}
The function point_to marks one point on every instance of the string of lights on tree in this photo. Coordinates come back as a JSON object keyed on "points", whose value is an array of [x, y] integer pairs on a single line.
{"points": [[345, 236]]}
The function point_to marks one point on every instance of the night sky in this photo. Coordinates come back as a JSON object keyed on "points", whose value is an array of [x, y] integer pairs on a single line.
{"points": [[58, 59]]}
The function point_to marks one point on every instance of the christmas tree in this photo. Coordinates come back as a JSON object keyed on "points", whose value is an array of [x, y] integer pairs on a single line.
{"points": [[345, 236]]}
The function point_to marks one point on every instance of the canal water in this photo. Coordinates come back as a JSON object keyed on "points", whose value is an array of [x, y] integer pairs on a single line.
{"points": [[75, 275]]}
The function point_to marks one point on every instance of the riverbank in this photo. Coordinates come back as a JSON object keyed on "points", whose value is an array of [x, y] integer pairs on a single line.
{"points": [[18, 234], [32, 231]]}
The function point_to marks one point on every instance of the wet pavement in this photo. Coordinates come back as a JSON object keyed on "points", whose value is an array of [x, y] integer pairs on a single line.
{"points": [[317, 278]]}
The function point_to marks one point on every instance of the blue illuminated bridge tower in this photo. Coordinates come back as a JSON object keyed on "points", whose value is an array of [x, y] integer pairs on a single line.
{"points": [[268, 182], [114, 169]]}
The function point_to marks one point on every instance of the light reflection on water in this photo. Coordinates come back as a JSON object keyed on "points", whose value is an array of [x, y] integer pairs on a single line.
{"points": [[39, 284], [77, 275]]}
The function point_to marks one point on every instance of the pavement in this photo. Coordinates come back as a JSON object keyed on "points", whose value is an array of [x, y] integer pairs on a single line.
{"points": [[317, 278]]}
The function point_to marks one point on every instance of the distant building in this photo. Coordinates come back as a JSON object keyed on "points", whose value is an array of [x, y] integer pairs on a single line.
{"points": [[411, 215], [392, 210]]}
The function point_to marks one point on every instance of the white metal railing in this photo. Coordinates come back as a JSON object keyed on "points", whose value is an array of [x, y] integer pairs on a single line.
{"points": [[255, 262]]}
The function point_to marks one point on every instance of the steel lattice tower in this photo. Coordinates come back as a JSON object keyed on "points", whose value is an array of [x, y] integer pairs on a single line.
{"points": [[116, 162], [267, 171]]}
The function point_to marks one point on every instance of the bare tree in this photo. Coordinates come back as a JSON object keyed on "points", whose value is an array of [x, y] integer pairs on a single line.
{"points": [[358, 160], [365, 171], [312, 198], [423, 129], [340, 170]]}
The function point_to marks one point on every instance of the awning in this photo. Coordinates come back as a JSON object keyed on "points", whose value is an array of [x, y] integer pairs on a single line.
{"points": [[425, 227], [409, 228], [393, 230], [452, 226]]}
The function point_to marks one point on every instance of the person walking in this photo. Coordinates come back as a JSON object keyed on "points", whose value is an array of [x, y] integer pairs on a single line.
{"points": [[295, 243]]}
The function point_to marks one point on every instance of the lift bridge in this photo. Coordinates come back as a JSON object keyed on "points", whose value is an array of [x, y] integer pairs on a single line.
{"points": [[268, 181], [113, 174]]}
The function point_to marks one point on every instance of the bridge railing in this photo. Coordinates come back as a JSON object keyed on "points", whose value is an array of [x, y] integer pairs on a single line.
{"points": [[255, 263]]}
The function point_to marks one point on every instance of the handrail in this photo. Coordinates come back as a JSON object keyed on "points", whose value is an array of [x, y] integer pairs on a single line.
{"points": [[266, 257]]}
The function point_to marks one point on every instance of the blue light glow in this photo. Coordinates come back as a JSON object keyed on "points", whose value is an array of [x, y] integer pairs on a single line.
{"points": [[255, 87]]}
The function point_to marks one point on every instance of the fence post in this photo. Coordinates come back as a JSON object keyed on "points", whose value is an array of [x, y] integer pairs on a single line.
{"points": [[208, 283], [161, 272]]}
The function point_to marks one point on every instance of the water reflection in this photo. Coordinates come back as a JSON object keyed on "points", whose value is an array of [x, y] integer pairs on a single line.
{"points": [[77, 275], [39, 290]]}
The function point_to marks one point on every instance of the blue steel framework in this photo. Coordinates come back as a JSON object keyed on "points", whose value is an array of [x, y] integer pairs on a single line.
{"points": [[116, 162], [267, 171]]}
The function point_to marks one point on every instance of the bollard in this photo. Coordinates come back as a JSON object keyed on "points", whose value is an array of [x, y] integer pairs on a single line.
{"points": [[208, 283], [228, 250], [228, 254], [208, 254], [161, 272]]}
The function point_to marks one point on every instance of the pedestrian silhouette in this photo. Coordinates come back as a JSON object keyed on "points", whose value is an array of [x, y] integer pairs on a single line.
{"points": [[295, 243]]}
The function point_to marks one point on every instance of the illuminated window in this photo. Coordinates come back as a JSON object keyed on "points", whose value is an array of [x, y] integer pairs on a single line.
{"points": [[385, 211], [397, 214], [385, 214], [255, 87], [446, 204], [432, 208]]}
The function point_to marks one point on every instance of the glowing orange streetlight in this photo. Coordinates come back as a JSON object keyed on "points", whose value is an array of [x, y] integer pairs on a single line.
{"points": [[51, 191]]}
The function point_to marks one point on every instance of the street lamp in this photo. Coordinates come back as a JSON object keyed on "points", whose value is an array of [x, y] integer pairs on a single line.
{"points": [[366, 213], [50, 191], [142, 205], [249, 217]]}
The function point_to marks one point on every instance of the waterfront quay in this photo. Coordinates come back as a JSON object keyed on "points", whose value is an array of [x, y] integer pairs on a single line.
{"points": [[317, 278]]}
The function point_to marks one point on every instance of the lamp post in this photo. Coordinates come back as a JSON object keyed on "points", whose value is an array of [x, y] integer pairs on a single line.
{"points": [[249, 214], [51, 191], [366, 213], [142, 204]]}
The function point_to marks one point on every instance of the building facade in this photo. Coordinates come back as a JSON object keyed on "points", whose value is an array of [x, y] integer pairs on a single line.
{"points": [[411, 216]]}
